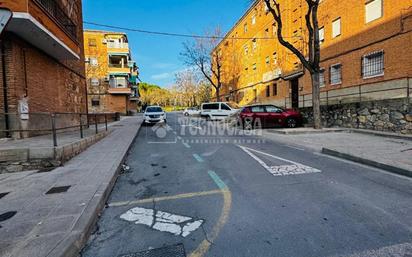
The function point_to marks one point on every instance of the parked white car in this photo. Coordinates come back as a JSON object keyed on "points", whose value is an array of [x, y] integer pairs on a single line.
{"points": [[191, 111], [154, 114], [218, 110]]}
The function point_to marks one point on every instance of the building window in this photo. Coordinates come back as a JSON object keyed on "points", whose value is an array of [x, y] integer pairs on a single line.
{"points": [[373, 64], [95, 102], [245, 27], [254, 66], [336, 74], [94, 82], [254, 19], [246, 49], [321, 35], [322, 78], [93, 61], [254, 44], [275, 89], [92, 42], [373, 10], [267, 91], [336, 28], [267, 60], [274, 29], [275, 58]]}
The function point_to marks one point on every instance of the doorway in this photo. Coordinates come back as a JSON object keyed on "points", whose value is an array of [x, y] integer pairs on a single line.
{"points": [[294, 84]]}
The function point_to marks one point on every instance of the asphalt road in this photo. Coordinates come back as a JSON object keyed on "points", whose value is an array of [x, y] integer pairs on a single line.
{"points": [[241, 195]]}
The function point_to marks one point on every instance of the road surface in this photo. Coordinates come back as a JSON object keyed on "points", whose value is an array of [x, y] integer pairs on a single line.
{"points": [[192, 189]]}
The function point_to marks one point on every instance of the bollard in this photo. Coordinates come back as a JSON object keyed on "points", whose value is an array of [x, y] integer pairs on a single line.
{"points": [[81, 126], [105, 120], [95, 123], [53, 121]]}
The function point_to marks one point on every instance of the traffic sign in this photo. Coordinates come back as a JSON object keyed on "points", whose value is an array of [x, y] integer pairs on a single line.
{"points": [[5, 17]]}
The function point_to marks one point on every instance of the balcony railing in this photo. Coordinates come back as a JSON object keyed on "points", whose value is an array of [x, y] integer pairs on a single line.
{"points": [[117, 45], [54, 10]]}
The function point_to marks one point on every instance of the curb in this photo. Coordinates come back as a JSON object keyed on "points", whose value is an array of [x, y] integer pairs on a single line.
{"points": [[79, 235], [381, 134], [389, 168], [294, 132]]}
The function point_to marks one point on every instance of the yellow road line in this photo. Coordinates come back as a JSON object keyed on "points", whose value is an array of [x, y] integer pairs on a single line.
{"points": [[165, 198], [205, 245]]}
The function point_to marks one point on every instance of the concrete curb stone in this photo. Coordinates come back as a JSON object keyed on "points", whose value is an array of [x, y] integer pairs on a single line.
{"points": [[360, 160]]}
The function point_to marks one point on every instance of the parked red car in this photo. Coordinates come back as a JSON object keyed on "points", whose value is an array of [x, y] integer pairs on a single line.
{"points": [[259, 116]]}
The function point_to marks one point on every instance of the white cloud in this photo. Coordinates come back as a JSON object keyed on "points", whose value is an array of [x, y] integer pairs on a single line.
{"points": [[162, 76]]}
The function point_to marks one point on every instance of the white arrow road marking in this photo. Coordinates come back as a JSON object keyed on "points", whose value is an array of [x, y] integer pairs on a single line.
{"points": [[162, 221], [283, 170]]}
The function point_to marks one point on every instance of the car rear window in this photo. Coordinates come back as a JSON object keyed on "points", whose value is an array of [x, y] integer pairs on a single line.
{"points": [[154, 109]]}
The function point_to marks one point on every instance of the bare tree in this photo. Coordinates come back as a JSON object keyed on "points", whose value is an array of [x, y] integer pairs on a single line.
{"points": [[201, 55], [310, 62]]}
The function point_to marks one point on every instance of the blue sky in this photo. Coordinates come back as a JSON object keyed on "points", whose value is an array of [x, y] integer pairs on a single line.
{"points": [[158, 56]]}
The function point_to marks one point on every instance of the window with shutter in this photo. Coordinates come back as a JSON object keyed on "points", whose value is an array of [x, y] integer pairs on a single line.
{"points": [[373, 10]]}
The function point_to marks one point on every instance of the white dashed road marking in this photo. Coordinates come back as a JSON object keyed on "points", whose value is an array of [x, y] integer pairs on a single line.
{"points": [[162, 221], [294, 168]]}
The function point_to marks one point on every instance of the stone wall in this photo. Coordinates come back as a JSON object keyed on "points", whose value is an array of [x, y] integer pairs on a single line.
{"points": [[386, 115]]}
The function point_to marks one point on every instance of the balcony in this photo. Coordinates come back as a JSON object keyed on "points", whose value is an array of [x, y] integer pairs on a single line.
{"points": [[120, 91], [118, 64], [56, 12], [119, 85], [117, 45], [46, 26]]}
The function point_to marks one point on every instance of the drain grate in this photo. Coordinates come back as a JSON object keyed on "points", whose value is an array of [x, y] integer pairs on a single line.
{"points": [[7, 215], [3, 194], [58, 190], [168, 251]]}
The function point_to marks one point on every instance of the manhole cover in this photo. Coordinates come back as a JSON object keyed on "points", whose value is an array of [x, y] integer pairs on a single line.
{"points": [[58, 190], [3, 194], [168, 251], [7, 215]]}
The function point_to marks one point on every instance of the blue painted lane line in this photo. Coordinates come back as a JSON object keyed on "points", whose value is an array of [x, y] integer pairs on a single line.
{"points": [[198, 158], [217, 180]]}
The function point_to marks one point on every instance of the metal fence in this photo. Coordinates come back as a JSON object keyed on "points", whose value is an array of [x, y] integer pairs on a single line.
{"points": [[29, 125], [400, 89]]}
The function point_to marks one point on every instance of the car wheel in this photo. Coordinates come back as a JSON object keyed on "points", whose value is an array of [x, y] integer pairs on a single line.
{"points": [[291, 123], [186, 114], [248, 124]]}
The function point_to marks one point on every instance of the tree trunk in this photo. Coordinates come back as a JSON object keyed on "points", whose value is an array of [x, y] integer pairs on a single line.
{"points": [[217, 94], [317, 120]]}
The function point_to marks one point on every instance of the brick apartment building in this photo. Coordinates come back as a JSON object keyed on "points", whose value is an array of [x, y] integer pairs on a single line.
{"points": [[111, 73], [42, 56], [366, 55]]}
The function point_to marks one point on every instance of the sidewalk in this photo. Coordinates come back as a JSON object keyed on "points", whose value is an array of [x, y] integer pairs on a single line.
{"points": [[37, 152], [57, 223], [382, 151]]}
